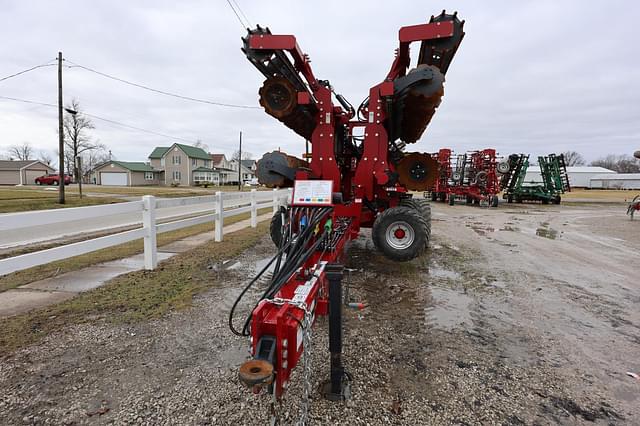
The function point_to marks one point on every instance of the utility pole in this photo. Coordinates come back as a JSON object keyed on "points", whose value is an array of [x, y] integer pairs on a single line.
{"points": [[79, 174], [60, 135], [240, 164]]}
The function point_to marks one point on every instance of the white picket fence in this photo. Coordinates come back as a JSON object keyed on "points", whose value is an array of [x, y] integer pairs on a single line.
{"points": [[223, 205]]}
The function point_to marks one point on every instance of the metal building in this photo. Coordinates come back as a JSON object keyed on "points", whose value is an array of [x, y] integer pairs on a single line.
{"points": [[616, 181], [579, 176]]}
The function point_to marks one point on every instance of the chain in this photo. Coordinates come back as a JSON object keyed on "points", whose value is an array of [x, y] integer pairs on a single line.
{"points": [[306, 364], [306, 368]]}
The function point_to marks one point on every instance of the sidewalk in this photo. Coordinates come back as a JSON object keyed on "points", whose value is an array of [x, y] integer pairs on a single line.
{"points": [[65, 286]]}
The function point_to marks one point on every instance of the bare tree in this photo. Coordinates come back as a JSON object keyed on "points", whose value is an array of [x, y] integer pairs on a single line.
{"points": [[68, 162], [628, 164], [23, 152], [619, 163], [573, 158], [202, 145], [91, 159], [45, 157], [245, 155], [76, 137]]}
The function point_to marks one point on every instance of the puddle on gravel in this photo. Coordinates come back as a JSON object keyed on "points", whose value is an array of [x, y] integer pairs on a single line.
{"points": [[449, 309], [438, 272], [510, 228], [481, 230], [549, 233]]}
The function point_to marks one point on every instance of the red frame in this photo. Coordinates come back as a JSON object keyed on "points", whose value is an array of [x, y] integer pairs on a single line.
{"points": [[484, 160], [367, 178]]}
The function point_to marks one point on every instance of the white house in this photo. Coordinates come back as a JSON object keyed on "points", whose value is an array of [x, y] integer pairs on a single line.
{"points": [[248, 171]]}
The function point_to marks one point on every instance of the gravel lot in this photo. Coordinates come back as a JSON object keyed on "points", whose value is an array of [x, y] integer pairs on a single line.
{"points": [[520, 315]]}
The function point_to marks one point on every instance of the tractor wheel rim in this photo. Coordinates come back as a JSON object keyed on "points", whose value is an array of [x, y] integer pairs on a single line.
{"points": [[400, 235]]}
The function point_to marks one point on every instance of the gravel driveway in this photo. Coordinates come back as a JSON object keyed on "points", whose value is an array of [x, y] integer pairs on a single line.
{"points": [[516, 316]]}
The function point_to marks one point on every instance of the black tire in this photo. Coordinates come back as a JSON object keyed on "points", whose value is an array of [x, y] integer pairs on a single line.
{"points": [[452, 199], [424, 208], [545, 201], [510, 199], [494, 201], [434, 196], [443, 196], [557, 199], [385, 231], [275, 228], [469, 199]]}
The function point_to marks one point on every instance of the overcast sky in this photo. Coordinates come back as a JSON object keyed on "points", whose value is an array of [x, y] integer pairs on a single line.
{"points": [[530, 76]]}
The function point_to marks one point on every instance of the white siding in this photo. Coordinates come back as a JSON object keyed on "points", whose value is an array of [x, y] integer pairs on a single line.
{"points": [[616, 181], [579, 176]]}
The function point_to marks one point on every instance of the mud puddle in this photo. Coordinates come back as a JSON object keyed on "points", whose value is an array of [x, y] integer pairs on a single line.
{"points": [[447, 308]]}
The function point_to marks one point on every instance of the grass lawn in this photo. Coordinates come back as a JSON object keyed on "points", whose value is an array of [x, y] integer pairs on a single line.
{"points": [[26, 198], [131, 248], [601, 195], [136, 296], [19, 200], [159, 191]]}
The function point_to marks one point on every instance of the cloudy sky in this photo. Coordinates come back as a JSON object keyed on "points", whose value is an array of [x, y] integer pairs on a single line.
{"points": [[530, 76]]}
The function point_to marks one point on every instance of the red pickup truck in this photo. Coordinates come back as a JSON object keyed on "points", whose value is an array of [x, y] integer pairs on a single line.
{"points": [[52, 180]]}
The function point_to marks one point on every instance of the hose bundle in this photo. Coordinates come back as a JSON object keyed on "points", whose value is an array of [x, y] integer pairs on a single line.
{"points": [[299, 241]]}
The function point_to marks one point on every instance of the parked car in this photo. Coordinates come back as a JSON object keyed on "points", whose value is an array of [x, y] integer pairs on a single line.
{"points": [[52, 180], [251, 182]]}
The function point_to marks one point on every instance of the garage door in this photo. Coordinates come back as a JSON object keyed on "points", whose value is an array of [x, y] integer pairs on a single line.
{"points": [[115, 179], [31, 175]]}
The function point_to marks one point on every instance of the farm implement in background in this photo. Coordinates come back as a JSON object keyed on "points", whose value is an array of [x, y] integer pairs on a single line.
{"points": [[634, 206], [476, 178], [554, 182], [440, 188]]}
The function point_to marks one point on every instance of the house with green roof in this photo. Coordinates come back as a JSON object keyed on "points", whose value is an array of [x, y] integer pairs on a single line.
{"points": [[127, 173], [183, 165]]}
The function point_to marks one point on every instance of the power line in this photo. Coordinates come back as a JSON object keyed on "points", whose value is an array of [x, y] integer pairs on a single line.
{"points": [[27, 101], [48, 64], [162, 92], [97, 117], [242, 24], [242, 13]]}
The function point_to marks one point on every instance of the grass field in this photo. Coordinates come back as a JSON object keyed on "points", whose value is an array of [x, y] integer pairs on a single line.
{"points": [[604, 195], [19, 200], [27, 198], [131, 297]]}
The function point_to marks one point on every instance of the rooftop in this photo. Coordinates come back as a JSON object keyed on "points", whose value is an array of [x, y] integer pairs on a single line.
{"points": [[617, 176], [577, 169], [134, 166], [158, 152], [18, 164]]}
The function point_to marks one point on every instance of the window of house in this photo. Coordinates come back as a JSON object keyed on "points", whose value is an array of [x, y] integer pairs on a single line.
{"points": [[177, 159], [162, 161], [177, 175], [148, 175], [194, 161], [207, 163]]}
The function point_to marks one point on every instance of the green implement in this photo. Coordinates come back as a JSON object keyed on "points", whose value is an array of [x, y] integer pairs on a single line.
{"points": [[553, 171]]}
